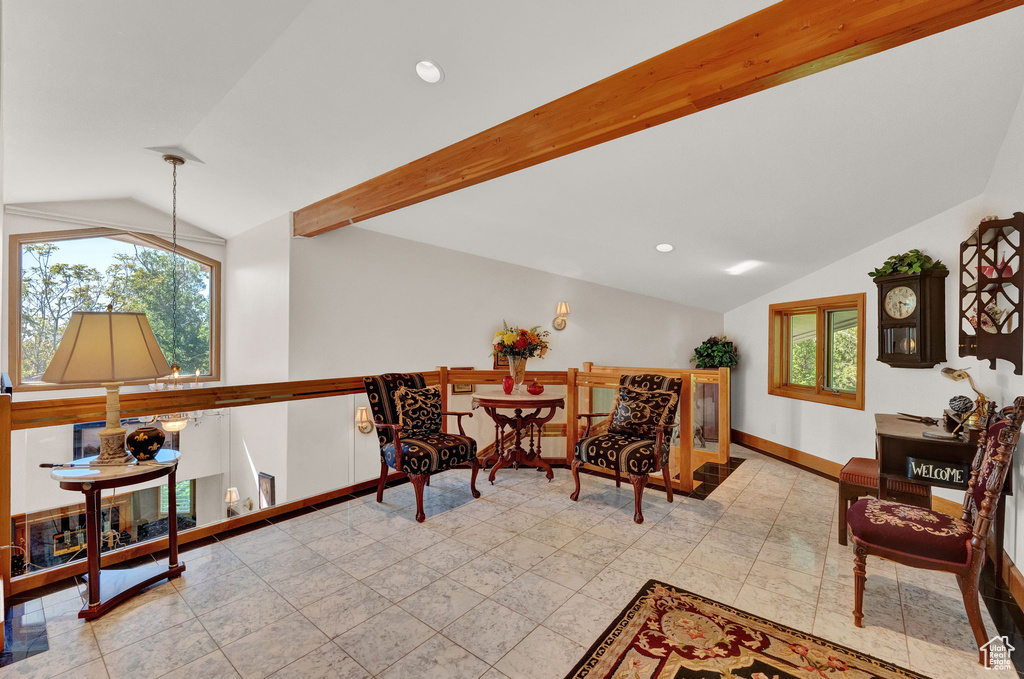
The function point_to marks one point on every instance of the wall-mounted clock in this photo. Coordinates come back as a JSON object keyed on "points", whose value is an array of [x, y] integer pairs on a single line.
{"points": [[911, 319]]}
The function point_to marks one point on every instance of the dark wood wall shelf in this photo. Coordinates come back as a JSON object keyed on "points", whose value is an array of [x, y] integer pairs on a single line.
{"points": [[991, 282]]}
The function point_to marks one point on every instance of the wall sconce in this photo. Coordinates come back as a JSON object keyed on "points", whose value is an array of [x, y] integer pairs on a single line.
{"points": [[363, 421], [562, 310]]}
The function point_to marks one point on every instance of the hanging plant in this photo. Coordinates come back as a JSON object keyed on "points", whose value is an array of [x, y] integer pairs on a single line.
{"points": [[715, 352], [912, 261]]}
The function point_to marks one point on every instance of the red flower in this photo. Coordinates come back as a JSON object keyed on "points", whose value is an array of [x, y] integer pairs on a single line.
{"points": [[837, 664], [522, 331], [521, 343], [799, 649]]}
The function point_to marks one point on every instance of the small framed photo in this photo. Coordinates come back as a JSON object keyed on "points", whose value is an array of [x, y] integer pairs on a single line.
{"points": [[500, 361], [267, 495], [463, 388]]}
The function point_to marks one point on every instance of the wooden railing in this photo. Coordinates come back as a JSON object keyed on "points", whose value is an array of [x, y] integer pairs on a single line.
{"points": [[20, 415]]}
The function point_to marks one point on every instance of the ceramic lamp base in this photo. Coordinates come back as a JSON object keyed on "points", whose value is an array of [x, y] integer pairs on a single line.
{"points": [[112, 449]]}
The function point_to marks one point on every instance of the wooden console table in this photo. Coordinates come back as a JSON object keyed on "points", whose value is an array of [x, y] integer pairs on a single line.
{"points": [[517, 455], [119, 585]]}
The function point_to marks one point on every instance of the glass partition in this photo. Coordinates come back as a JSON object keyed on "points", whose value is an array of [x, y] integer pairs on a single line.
{"points": [[705, 415]]}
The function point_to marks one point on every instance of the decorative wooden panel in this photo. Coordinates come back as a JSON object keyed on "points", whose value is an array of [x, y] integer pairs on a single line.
{"points": [[991, 282]]}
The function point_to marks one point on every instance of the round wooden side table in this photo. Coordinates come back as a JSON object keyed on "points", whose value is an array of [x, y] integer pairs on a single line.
{"points": [[516, 455]]}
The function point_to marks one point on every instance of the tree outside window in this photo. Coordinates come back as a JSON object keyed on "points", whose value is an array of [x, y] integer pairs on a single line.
{"points": [[817, 350], [60, 277]]}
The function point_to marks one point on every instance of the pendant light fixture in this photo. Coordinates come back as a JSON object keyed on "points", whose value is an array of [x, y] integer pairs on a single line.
{"points": [[174, 421]]}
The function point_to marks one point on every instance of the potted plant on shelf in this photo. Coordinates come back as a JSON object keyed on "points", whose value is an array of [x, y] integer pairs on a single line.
{"points": [[910, 262], [715, 352], [519, 344]]}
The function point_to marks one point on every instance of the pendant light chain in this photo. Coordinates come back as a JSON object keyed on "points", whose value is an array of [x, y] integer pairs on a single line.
{"points": [[174, 262], [175, 161]]}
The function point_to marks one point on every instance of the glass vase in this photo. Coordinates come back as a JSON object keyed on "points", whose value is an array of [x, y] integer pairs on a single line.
{"points": [[517, 369]]}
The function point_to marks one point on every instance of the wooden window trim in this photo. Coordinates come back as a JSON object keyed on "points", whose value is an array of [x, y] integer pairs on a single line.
{"points": [[14, 274], [778, 368]]}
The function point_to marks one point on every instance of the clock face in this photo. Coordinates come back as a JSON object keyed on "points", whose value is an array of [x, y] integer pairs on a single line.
{"points": [[900, 302]]}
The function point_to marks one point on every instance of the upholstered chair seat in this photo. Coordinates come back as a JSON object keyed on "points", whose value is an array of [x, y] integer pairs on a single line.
{"points": [[622, 453], [431, 453], [859, 477], [912, 530]]}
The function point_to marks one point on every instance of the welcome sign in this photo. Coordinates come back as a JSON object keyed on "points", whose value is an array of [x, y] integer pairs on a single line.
{"points": [[940, 473]]}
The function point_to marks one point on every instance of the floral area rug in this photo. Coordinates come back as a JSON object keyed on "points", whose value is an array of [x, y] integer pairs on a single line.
{"points": [[669, 633]]}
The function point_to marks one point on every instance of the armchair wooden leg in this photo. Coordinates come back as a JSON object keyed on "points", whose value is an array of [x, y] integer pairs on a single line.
{"points": [[383, 479], [418, 481], [576, 464], [668, 482], [618, 479], [474, 465], [860, 559], [638, 481], [969, 592]]}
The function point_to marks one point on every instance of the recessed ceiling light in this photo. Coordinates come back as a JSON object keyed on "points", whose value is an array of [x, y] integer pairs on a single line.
{"points": [[430, 72], [664, 247], [743, 267]]}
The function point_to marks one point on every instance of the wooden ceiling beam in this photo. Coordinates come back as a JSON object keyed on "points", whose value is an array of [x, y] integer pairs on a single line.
{"points": [[781, 43]]}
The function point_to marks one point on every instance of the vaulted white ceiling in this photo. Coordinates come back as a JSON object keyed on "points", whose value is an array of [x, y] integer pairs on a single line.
{"points": [[289, 102]]}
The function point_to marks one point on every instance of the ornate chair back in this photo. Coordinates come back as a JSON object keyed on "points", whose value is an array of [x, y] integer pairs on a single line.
{"points": [[988, 473], [653, 382], [380, 390]]}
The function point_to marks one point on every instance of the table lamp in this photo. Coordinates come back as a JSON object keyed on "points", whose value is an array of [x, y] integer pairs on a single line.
{"points": [[974, 417], [110, 348]]}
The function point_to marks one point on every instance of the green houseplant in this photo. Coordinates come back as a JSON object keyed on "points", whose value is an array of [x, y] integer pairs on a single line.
{"points": [[912, 261], [715, 352]]}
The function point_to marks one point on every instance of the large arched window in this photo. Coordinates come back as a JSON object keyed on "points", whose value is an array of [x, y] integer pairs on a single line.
{"points": [[55, 274]]}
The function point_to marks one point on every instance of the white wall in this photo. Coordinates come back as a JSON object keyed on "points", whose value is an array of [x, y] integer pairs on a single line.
{"points": [[256, 340], [364, 303], [838, 434]]}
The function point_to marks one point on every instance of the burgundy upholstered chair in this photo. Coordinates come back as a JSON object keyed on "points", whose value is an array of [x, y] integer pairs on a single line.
{"points": [[924, 538]]}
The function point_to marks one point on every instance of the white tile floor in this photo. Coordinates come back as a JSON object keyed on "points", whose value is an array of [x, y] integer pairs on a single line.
{"points": [[517, 584]]}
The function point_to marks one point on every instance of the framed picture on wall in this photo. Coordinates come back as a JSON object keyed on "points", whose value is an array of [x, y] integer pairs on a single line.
{"points": [[86, 437], [267, 496], [462, 388], [500, 361]]}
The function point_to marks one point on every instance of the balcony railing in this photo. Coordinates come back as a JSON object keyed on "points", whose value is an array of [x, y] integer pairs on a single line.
{"points": [[306, 428]]}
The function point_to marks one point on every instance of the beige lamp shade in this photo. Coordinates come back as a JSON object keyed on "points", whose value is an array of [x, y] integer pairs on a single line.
{"points": [[231, 497], [106, 347], [562, 309]]}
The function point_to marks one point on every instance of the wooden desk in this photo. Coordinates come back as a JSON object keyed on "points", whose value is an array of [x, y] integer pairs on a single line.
{"points": [[898, 438], [492, 402], [123, 583]]}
